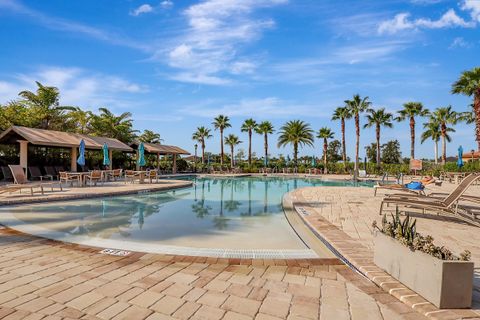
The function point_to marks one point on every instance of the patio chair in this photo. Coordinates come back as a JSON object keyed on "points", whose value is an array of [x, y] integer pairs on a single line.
{"points": [[65, 177], [21, 179], [446, 206], [94, 177], [50, 170], [35, 173], [115, 174], [59, 169], [152, 175], [7, 174], [130, 175]]}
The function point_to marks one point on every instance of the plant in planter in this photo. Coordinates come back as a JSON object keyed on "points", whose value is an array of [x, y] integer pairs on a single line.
{"points": [[444, 279]]}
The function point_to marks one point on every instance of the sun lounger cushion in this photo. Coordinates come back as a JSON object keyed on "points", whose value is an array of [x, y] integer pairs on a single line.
{"points": [[415, 185]]}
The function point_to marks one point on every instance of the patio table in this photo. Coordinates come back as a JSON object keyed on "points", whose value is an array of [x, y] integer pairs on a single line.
{"points": [[81, 176], [141, 175]]}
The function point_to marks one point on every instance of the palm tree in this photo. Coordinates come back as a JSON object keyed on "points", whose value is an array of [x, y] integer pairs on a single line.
{"points": [[108, 124], [248, 126], [342, 113], [81, 119], [378, 118], [469, 85], [411, 110], [265, 128], [232, 140], [325, 133], [297, 133], [149, 136], [46, 103], [445, 116], [432, 131], [201, 135], [221, 122], [356, 106]]}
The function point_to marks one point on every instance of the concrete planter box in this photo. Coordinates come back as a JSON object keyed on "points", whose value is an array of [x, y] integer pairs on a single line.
{"points": [[446, 284]]}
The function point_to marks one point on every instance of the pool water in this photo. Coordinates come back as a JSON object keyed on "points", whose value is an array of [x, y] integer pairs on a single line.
{"points": [[235, 213]]}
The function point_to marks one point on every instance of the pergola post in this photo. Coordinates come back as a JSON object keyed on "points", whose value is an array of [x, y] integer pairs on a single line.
{"points": [[110, 152], [73, 160], [23, 153], [158, 161], [174, 169], [137, 166]]}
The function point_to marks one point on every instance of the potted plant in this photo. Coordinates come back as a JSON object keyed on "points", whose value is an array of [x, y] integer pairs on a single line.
{"points": [[433, 272]]}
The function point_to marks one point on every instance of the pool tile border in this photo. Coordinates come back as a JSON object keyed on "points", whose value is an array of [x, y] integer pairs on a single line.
{"points": [[360, 259]]}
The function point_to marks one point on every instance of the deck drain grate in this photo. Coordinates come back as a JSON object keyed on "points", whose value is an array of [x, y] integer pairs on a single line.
{"points": [[115, 252]]}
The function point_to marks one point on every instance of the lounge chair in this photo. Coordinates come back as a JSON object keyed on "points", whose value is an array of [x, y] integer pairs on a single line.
{"points": [[35, 173], [404, 188], [94, 177], [447, 206], [59, 169], [21, 180], [152, 175], [67, 178], [49, 170], [7, 174]]}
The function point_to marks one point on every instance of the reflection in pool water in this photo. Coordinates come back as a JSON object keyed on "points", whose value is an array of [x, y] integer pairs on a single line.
{"points": [[214, 213]]}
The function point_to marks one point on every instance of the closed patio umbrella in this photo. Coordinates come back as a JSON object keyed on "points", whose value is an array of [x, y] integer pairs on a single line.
{"points": [[81, 156], [460, 157], [141, 155], [314, 162], [106, 160]]}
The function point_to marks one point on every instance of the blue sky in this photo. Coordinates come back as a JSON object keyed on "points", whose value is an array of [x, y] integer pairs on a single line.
{"points": [[177, 64]]}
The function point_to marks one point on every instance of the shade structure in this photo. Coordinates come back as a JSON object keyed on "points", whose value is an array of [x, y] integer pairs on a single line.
{"points": [[106, 160], [81, 156], [460, 157], [141, 155]]}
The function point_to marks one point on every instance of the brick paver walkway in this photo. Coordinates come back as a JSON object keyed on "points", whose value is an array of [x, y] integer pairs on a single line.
{"points": [[43, 279]]}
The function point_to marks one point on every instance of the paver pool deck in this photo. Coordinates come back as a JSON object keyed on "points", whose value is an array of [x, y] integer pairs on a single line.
{"points": [[45, 279]]}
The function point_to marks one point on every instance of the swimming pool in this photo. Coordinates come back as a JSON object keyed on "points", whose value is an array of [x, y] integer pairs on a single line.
{"points": [[214, 214]]}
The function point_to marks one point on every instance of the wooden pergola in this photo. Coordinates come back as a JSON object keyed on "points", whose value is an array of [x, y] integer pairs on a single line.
{"points": [[161, 149], [59, 139]]}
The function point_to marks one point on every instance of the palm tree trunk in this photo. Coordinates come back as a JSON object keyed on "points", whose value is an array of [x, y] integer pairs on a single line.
{"points": [[231, 160], [250, 148], [266, 148], [444, 144], [221, 148], [203, 152], [344, 147], [476, 110], [325, 146], [436, 152], [357, 146], [378, 146], [295, 153], [412, 138]]}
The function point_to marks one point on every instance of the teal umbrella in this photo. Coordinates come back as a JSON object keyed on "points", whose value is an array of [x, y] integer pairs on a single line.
{"points": [[314, 162], [106, 160], [141, 155], [81, 156], [265, 161], [460, 157]]}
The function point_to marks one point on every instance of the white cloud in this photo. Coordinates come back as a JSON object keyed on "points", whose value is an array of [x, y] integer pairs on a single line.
{"points": [[402, 22], [207, 51], [167, 4], [459, 42], [77, 86], [144, 8], [474, 7], [270, 107]]}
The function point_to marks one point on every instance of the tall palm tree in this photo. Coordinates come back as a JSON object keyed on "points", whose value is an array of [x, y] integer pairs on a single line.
{"points": [[248, 126], [265, 128], [410, 111], [149, 136], [200, 135], [469, 85], [325, 133], [297, 133], [232, 140], [356, 106], [342, 113], [432, 131], [46, 103], [445, 116], [221, 122], [378, 118]]}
